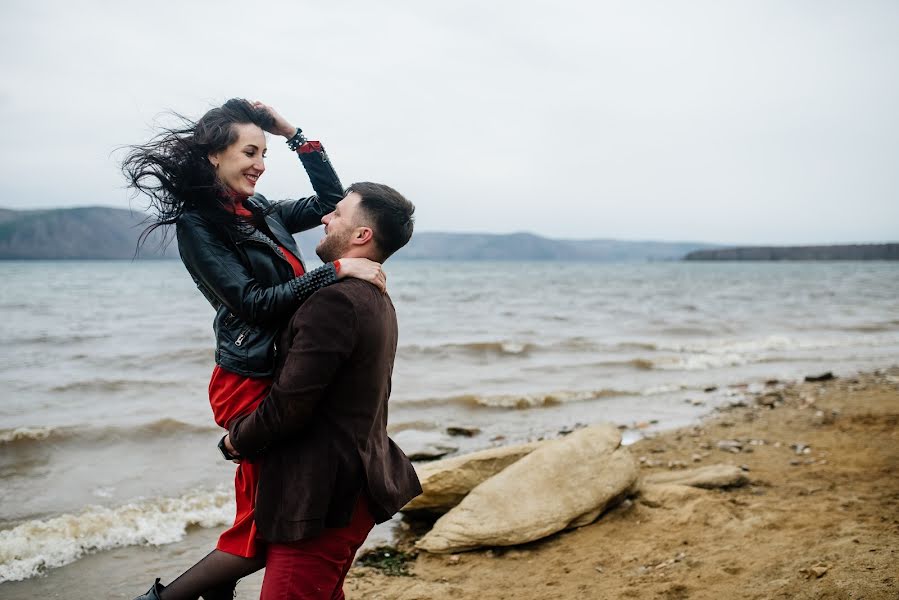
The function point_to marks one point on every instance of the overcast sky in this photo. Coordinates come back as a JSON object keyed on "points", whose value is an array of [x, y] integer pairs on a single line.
{"points": [[732, 122]]}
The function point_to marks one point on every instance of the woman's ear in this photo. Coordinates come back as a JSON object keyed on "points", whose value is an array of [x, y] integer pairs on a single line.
{"points": [[213, 159]]}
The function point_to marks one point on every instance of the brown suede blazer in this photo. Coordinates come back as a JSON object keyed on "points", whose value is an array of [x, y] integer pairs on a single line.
{"points": [[321, 434]]}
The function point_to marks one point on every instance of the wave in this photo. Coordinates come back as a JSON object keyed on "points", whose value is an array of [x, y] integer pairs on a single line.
{"points": [[113, 385], [33, 547], [518, 401], [203, 355], [507, 348], [700, 356], [22, 436], [58, 339], [475, 349]]}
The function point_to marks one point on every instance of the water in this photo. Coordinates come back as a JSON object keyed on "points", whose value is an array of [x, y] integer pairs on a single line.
{"points": [[107, 439]]}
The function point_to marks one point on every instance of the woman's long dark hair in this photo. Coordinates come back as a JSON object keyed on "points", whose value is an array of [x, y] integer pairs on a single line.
{"points": [[173, 169]]}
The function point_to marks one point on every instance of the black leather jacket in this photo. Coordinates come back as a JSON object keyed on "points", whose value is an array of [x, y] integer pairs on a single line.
{"points": [[246, 277]]}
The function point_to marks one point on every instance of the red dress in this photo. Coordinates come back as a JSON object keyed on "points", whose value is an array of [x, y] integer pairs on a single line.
{"points": [[231, 395]]}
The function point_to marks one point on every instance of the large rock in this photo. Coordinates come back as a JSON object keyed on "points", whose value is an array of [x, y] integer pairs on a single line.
{"points": [[445, 482], [563, 483], [712, 476]]}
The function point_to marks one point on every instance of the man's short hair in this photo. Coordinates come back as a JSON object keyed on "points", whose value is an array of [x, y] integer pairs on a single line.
{"points": [[391, 214]]}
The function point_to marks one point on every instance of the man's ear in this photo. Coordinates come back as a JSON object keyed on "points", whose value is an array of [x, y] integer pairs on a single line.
{"points": [[362, 236]]}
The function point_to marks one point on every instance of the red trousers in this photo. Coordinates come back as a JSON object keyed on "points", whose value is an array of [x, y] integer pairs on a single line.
{"points": [[314, 569]]}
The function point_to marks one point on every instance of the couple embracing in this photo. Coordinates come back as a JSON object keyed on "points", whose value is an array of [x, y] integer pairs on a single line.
{"points": [[303, 358]]}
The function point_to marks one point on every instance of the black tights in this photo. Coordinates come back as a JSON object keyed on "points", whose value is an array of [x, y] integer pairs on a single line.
{"points": [[213, 578]]}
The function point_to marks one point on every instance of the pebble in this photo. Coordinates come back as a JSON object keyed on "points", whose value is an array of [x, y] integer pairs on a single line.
{"points": [[801, 448], [462, 431], [822, 377], [771, 399], [730, 446]]}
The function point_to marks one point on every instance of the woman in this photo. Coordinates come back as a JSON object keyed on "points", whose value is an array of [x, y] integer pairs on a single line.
{"points": [[237, 247]]}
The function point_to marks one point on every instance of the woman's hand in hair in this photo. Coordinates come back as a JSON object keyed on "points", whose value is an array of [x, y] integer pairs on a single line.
{"points": [[364, 269], [281, 126]]}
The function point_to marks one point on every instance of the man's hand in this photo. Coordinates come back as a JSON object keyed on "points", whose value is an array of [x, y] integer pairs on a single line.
{"points": [[230, 448], [281, 126]]}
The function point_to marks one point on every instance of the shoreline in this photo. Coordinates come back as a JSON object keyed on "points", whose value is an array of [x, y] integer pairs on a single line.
{"points": [[818, 518], [752, 540]]}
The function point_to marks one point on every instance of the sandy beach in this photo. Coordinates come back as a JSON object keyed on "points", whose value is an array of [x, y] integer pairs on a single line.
{"points": [[819, 518]]}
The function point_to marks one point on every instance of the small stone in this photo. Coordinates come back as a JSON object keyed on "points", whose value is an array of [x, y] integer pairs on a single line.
{"points": [[462, 431], [711, 388], [730, 446], [697, 402], [490, 554], [822, 377], [453, 559], [800, 448], [598, 569], [770, 399], [696, 458], [745, 468], [772, 382], [819, 570], [794, 462]]}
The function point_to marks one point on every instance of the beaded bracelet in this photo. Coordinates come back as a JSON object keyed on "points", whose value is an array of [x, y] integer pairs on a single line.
{"points": [[297, 140]]}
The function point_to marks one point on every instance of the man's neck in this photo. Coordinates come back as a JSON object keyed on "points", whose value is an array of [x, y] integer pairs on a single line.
{"points": [[360, 252]]}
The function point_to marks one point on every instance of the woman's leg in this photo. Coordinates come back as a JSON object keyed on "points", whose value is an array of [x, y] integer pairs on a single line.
{"points": [[213, 578]]}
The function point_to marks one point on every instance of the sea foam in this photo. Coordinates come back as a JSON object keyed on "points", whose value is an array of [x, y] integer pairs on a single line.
{"points": [[33, 547]]}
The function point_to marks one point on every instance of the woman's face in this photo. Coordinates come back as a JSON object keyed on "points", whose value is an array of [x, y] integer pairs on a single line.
{"points": [[241, 164]]}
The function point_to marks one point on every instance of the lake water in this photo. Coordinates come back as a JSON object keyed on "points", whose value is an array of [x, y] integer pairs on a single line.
{"points": [[107, 439]]}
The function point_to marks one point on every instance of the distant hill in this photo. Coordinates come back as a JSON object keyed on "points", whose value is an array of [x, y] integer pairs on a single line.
{"points": [[86, 232], [846, 252], [111, 233]]}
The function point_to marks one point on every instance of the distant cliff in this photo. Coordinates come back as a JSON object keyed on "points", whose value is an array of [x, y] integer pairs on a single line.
{"points": [[111, 233], [846, 252]]}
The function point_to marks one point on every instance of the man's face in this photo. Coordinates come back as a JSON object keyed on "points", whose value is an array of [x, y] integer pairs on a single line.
{"points": [[340, 228]]}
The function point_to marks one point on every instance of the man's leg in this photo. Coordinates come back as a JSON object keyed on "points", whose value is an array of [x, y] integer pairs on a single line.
{"points": [[314, 569]]}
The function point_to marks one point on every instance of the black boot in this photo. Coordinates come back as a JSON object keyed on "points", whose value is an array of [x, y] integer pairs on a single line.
{"points": [[153, 594], [225, 592]]}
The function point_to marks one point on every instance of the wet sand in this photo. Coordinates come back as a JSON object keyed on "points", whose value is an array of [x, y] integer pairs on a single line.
{"points": [[820, 523]]}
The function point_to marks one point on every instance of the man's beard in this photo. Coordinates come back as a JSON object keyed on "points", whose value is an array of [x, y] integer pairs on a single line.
{"points": [[331, 247]]}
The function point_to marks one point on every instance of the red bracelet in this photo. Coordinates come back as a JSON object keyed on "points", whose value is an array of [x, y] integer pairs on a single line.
{"points": [[337, 267]]}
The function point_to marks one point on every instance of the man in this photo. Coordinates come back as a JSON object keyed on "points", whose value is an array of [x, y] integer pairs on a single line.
{"points": [[329, 471]]}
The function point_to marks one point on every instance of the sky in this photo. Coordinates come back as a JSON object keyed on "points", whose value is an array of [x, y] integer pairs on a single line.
{"points": [[734, 122]]}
